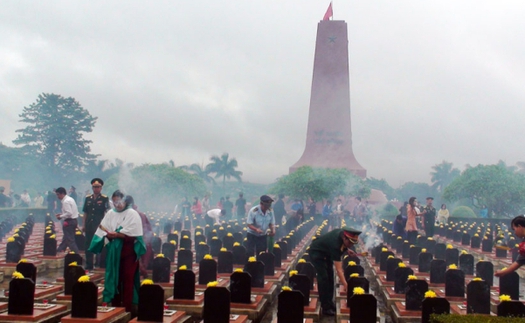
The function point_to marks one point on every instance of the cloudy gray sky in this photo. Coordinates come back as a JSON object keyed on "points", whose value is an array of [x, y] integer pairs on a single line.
{"points": [[183, 80]]}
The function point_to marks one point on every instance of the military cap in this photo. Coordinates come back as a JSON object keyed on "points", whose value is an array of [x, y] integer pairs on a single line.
{"points": [[97, 182], [351, 233], [266, 199]]}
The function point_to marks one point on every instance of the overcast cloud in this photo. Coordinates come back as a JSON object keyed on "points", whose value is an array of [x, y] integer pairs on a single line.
{"points": [[184, 80]]}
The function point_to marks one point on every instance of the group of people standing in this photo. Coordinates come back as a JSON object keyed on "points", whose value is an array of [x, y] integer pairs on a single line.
{"points": [[202, 207]]}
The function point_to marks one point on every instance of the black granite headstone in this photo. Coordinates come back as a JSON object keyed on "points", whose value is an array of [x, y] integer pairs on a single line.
{"points": [[168, 250], [511, 309], [414, 255], [216, 305], [454, 283], [290, 308], [466, 264], [391, 265], [80, 240], [478, 297], [363, 308], [72, 257], [13, 252], [21, 296], [185, 258], [452, 257], [509, 284], [354, 282], [485, 270], [156, 244], [239, 255], [184, 285], [465, 239], [241, 287], [439, 251], [207, 271], [225, 262], [27, 269], [415, 293], [268, 259], [355, 269], [302, 284], [434, 306], [400, 279], [383, 259], [151, 303], [201, 250], [256, 270], [84, 298], [215, 246], [424, 262], [306, 268], [284, 249], [438, 267], [486, 245], [405, 251], [73, 273], [50, 247], [161, 270], [475, 242], [185, 242]]}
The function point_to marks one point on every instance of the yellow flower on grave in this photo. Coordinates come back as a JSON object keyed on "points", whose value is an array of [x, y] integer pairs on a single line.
{"points": [[406, 241], [198, 233], [236, 244], [453, 266], [430, 239], [173, 242], [449, 246], [313, 238], [245, 239], [71, 252], [48, 227], [399, 238], [354, 275], [214, 231], [215, 238], [23, 260], [15, 235], [390, 231], [286, 289], [212, 284], [160, 255], [185, 237], [198, 227], [293, 272], [83, 279], [390, 257], [275, 246], [424, 250], [238, 270], [504, 298], [401, 265], [464, 252], [74, 263], [224, 249], [352, 263], [301, 261], [359, 291], [477, 279], [221, 228], [78, 233], [183, 267], [252, 259], [202, 242], [53, 236], [384, 249], [412, 246], [147, 282], [49, 231], [516, 245], [16, 230], [175, 232], [229, 234], [17, 275], [412, 277], [430, 294]]}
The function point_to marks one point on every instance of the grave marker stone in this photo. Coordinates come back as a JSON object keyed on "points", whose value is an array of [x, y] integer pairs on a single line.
{"points": [[302, 284], [256, 270], [201, 250], [306, 268], [354, 282], [383, 259], [239, 255], [27, 269], [84, 298], [50, 247], [439, 251], [215, 246], [290, 308], [454, 283], [424, 262], [241, 287], [21, 296], [151, 303], [268, 259], [434, 306], [478, 297], [475, 242], [485, 270], [414, 255], [363, 308], [511, 309], [510, 285], [161, 270], [73, 273], [466, 264], [207, 271], [225, 262], [391, 265], [216, 305], [452, 256], [400, 279], [184, 285], [438, 267], [185, 258], [415, 294], [168, 250]]}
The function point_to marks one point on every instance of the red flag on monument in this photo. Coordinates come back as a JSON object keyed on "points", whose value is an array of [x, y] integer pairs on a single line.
{"points": [[329, 13]]}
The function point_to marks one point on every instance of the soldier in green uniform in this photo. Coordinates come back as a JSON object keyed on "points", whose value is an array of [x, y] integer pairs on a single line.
{"points": [[325, 253], [95, 207], [429, 218]]}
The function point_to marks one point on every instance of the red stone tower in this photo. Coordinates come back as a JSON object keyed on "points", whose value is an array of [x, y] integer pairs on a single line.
{"points": [[329, 134]]}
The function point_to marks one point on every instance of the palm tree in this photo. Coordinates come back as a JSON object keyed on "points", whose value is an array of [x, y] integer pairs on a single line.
{"points": [[196, 169], [443, 175], [224, 167]]}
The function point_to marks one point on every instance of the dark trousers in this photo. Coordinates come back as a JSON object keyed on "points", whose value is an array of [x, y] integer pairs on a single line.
{"points": [[324, 266], [429, 229], [412, 236], [255, 243], [68, 227]]}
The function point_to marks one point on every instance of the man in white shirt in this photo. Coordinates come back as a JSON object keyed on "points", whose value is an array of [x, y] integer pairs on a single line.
{"points": [[69, 216], [25, 199], [215, 215]]}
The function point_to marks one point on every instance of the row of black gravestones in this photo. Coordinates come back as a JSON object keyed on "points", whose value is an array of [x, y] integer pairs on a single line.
{"points": [[16, 244]]}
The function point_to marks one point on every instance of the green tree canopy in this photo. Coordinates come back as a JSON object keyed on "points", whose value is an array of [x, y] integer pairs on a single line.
{"points": [[496, 186], [443, 175], [224, 167], [420, 190], [54, 134], [156, 187], [320, 183], [203, 173]]}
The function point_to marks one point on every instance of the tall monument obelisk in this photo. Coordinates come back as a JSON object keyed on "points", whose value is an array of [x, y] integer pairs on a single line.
{"points": [[329, 134]]}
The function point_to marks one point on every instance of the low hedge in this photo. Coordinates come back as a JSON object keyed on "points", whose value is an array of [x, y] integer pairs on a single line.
{"points": [[473, 318], [463, 212]]}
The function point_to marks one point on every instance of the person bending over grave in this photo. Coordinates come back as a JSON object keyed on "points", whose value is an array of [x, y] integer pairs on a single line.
{"points": [[261, 222], [214, 216], [518, 225], [69, 215], [121, 232], [325, 253]]}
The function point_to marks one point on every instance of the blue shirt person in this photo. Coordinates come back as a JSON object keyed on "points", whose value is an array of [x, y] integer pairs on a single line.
{"points": [[260, 220]]}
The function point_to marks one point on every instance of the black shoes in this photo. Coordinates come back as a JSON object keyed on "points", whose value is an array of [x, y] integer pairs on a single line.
{"points": [[328, 312]]}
